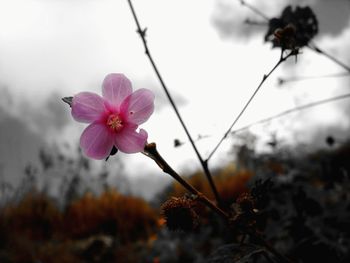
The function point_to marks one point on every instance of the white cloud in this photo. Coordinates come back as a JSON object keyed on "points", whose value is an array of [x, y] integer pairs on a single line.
{"points": [[63, 47]]}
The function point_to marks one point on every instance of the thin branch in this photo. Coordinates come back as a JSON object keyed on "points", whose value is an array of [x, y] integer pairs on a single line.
{"points": [[255, 23], [265, 77], [286, 112], [335, 60], [292, 110], [282, 81], [142, 33], [151, 152], [255, 10]]}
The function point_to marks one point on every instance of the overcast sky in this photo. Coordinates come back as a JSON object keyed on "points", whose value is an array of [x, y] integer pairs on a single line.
{"points": [[210, 60]]}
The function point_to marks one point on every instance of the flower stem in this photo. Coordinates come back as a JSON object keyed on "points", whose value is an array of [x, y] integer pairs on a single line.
{"points": [[265, 77], [150, 151], [142, 33]]}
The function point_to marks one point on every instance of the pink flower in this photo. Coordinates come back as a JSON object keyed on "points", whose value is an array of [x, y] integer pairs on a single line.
{"points": [[113, 118]]}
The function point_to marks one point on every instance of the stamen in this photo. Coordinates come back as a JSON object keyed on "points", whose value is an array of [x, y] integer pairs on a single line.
{"points": [[114, 122]]}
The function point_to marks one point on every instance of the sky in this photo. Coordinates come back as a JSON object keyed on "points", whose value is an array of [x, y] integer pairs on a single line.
{"points": [[210, 60]]}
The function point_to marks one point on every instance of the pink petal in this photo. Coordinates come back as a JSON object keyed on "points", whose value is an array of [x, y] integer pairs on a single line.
{"points": [[139, 106], [87, 107], [115, 88], [97, 141], [131, 141]]}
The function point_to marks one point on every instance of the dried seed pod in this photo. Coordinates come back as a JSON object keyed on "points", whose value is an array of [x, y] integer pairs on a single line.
{"points": [[293, 29], [246, 202], [179, 214]]}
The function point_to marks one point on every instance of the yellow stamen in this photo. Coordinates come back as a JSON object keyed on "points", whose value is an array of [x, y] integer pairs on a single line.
{"points": [[114, 122]]}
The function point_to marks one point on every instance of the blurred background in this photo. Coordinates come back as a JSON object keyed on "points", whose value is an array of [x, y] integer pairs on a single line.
{"points": [[212, 56]]}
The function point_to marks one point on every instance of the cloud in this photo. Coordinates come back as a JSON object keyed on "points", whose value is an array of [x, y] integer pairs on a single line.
{"points": [[228, 18], [46, 115], [333, 16], [161, 98], [19, 147]]}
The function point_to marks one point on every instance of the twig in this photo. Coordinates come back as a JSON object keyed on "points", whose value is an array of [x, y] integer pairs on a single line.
{"points": [[286, 112], [151, 152], [320, 51], [302, 107], [255, 23], [282, 59], [254, 9], [282, 81], [142, 33]]}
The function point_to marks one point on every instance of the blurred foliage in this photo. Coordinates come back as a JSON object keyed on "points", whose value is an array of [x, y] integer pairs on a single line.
{"points": [[299, 202], [35, 217], [229, 182], [90, 229], [111, 213]]}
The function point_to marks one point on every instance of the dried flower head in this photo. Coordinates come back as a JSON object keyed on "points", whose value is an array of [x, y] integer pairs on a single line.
{"points": [[179, 214], [285, 37], [114, 117], [293, 29], [246, 202]]}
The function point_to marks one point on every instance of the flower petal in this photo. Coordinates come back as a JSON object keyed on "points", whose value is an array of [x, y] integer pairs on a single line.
{"points": [[131, 141], [97, 141], [115, 88], [139, 106], [87, 107]]}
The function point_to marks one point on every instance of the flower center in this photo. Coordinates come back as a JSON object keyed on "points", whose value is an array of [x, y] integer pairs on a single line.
{"points": [[114, 122]]}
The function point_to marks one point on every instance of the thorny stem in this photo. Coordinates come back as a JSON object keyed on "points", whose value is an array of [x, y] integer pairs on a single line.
{"points": [[142, 33], [150, 151], [265, 77], [320, 51]]}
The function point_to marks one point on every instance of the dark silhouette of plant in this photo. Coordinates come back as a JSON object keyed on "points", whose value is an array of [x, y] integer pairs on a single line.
{"points": [[295, 28]]}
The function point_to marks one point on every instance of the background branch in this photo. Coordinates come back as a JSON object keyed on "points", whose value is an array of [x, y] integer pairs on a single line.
{"points": [[335, 60], [282, 81], [265, 77], [142, 33]]}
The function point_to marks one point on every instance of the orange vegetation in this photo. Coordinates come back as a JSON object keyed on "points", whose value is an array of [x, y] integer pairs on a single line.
{"points": [[230, 184], [111, 213]]}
